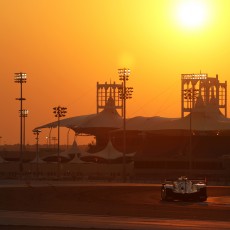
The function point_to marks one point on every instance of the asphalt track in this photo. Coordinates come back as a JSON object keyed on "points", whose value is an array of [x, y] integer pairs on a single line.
{"points": [[108, 206]]}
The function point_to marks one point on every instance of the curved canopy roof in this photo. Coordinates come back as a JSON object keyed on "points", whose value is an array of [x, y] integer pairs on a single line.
{"points": [[108, 119], [202, 118], [147, 123], [68, 122]]}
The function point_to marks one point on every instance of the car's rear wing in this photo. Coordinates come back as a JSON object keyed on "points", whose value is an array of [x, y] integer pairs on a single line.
{"points": [[203, 181], [197, 180]]}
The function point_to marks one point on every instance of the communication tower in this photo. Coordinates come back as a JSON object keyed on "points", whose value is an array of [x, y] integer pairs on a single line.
{"points": [[200, 85]]}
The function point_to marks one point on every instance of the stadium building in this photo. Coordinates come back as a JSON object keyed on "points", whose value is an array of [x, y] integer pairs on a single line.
{"points": [[197, 143]]}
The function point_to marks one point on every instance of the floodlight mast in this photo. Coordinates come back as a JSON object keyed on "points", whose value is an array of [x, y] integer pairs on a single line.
{"points": [[24, 113], [37, 132], [125, 93], [20, 78], [59, 112], [191, 95]]}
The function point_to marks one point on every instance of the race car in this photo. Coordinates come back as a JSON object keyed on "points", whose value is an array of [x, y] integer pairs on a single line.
{"points": [[184, 189]]}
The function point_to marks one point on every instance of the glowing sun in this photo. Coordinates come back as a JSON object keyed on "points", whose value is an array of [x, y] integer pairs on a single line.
{"points": [[192, 13]]}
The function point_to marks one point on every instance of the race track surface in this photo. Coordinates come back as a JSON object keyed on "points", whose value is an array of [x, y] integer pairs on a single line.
{"points": [[132, 200]]}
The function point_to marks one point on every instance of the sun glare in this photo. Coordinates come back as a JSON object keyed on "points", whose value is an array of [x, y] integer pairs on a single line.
{"points": [[192, 13]]}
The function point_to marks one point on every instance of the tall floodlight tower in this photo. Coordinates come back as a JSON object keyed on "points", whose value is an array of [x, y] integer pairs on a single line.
{"points": [[191, 96], [125, 93], [59, 112], [20, 78], [24, 114]]}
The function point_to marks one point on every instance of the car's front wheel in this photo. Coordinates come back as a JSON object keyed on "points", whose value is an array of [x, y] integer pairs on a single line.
{"points": [[203, 194]]}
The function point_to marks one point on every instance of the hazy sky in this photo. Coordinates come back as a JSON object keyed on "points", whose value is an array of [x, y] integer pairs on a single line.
{"points": [[66, 46]]}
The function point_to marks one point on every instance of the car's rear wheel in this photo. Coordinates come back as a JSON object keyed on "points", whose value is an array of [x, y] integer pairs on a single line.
{"points": [[166, 194], [163, 194]]}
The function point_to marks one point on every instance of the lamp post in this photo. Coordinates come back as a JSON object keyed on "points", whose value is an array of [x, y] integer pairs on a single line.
{"points": [[24, 114], [67, 144], [49, 138], [20, 78], [54, 141], [190, 95], [0, 141], [124, 93], [37, 132], [59, 112], [47, 142]]}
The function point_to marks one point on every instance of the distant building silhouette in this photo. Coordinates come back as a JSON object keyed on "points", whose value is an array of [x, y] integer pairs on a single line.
{"points": [[200, 86]]}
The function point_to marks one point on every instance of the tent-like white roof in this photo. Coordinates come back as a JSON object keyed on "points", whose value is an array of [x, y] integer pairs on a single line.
{"points": [[108, 118], [202, 118], [108, 153], [74, 150], [76, 159], [68, 122], [37, 159], [1, 159]]}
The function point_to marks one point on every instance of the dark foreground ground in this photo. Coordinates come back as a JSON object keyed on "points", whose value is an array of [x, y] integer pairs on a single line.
{"points": [[140, 201], [38, 228]]}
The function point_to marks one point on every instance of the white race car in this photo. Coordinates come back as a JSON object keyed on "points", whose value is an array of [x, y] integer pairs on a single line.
{"points": [[184, 189]]}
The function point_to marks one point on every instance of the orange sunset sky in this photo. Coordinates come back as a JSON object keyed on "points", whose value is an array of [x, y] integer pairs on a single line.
{"points": [[66, 46]]}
